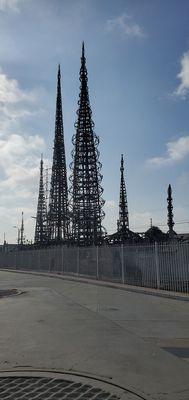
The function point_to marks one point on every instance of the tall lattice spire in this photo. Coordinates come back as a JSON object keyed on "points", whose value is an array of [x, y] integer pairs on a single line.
{"points": [[58, 219], [86, 188], [123, 221], [170, 221], [41, 217]]}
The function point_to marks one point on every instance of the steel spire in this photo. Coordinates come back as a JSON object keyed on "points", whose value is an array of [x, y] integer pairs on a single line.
{"points": [[58, 219], [170, 221], [41, 217], [86, 188], [123, 221]]}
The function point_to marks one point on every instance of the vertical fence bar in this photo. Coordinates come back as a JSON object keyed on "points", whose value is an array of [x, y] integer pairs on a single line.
{"points": [[171, 269], [62, 258], [38, 259], [186, 268], [54, 259], [78, 260], [49, 257], [122, 265], [186, 274], [157, 265], [15, 260], [97, 263]]}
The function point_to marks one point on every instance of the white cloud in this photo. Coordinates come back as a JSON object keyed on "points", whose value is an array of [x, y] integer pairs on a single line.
{"points": [[111, 215], [19, 153], [10, 91], [17, 103], [126, 25], [19, 169], [19, 162], [183, 76], [140, 221], [176, 151], [12, 5]]}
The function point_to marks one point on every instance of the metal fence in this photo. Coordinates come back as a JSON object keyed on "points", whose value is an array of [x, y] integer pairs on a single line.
{"points": [[163, 266]]}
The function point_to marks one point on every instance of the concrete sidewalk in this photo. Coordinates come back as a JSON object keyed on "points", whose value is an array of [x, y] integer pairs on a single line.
{"points": [[137, 341], [92, 281]]}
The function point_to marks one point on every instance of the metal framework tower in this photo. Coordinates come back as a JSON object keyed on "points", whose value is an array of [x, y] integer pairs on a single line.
{"points": [[170, 221], [41, 217], [58, 217], [123, 221], [123, 233], [86, 191]]}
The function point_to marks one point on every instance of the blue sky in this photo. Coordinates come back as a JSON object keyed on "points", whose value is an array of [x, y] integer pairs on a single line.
{"points": [[138, 66]]}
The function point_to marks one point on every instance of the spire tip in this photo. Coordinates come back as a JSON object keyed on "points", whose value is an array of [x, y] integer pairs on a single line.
{"points": [[83, 50], [122, 162], [59, 73]]}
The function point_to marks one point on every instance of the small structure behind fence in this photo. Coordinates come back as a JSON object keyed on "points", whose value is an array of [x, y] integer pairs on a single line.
{"points": [[163, 266]]}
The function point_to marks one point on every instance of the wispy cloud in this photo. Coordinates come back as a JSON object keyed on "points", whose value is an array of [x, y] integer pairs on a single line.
{"points": [[16, 103], [19, 166], [19, 150], [140, 221], [13, 5], [111, 215], [19, 162], [10, 91], [125, 24], [176, 151], [183, 88]]}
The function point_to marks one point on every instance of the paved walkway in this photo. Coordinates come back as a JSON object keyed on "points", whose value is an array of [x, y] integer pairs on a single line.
{"points": [[135, 340]]}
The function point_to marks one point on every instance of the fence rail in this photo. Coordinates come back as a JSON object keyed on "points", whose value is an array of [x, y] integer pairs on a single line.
{"points": [[163, 266]]}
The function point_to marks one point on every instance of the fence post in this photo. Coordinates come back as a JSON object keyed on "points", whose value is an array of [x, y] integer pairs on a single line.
{"points": [[62, 253], [39, 259], [122, 265], [49, 258], [78, 260], [97, 264], [157, 265], [15, 260]]}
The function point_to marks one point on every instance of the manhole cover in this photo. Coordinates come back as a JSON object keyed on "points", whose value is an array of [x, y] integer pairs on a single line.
{"points": [[46, 385], [28, 388]]}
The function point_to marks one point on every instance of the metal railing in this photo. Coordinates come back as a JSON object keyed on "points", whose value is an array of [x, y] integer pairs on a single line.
{"points": [[162, 266]]}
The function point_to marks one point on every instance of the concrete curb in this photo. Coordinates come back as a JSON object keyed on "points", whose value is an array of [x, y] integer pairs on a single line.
{"points": [[128, 288]]}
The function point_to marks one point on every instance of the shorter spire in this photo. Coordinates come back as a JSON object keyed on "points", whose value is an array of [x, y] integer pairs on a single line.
{"points": [[41, 217], [123, 234], [170, 221], [123, 221]]}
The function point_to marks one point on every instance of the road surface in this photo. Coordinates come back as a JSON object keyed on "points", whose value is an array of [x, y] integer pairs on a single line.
{"points": [[134, 340]]}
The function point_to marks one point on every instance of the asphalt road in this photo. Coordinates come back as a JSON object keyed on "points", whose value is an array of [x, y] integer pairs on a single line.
{"points": [[138, 341]]}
